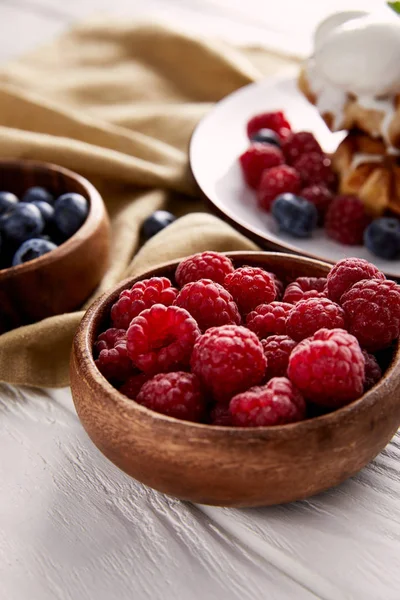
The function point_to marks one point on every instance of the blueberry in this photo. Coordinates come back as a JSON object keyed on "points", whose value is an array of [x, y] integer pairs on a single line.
{"points": [[37, 193], [23, 223], [266, 136], [70, 212], [8, 201], [32, 249], [46, 210], [382, 237], [295, 214], [156, 222]]}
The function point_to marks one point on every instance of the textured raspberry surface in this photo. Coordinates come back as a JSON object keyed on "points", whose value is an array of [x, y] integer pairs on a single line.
{"points": [[307, 316], [315, 168], [303, 288], [346, 273], [328, 368], [302, 142], [346, 220], [133, 384], [161, 338], [174, 394], [276, 403], [220, 415], [372, 308], [112, 358], [228, 360], [249, 287], [320, 196], [276, 181], [209, 304], [269, 319], [278, 285], [257, 159], [277, 349], [269, 120], [373, 372], [157, 290], [205, 265]]}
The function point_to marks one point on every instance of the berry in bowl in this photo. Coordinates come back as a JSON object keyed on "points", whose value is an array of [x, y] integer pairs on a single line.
{"points": [[241, 379]]}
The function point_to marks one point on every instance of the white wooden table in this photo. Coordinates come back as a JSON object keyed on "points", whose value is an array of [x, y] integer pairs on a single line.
{"points": [[73, 527]]}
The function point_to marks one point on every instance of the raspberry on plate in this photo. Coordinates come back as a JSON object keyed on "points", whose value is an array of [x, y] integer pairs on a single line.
{"points": [[220, 415], [133, 385], [257, 159], [276, 403], [156, 290], [301, 142], [319, 195], [346, 273], [204, 265], [269, 319], [209, 304], [372, 308], [303, 288], [277, 350], [315, 168], [307, 316], [176, 394], [112, 357], [346, 220], [276, 121], [161, 338], [228, 360], [373, 372], [382, 238], [276, 181], [250, 286], [294, 215], [328, 368]]}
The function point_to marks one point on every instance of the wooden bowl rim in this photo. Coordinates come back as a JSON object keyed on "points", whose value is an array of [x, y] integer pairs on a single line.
{"points": [[92, 221], [99, 384]]}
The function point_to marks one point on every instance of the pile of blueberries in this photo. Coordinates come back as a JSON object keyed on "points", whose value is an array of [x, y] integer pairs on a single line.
{"points": [[37, 223]]}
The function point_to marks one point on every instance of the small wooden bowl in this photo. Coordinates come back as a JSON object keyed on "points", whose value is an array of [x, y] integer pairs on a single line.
{"points": [[63, 279], [223, 465]]}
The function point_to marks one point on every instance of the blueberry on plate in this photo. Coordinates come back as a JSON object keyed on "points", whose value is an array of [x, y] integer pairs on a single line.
{"points": [[266, 136], [37, 193], [156, 222], [46, 210], [8, 201], [295, 215], [32, 249], [382, 237], [70, 212], [23, 223]]}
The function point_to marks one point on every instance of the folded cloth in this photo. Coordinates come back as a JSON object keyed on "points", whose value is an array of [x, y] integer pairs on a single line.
{"points": [[117, 103]]}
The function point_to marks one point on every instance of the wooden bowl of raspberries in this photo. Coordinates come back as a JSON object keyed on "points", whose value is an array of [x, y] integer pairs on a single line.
{"points": [[54, 241], [242, 379]]}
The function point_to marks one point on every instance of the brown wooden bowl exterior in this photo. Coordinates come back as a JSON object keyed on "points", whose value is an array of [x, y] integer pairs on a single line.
{"points": [[223, 465], [63, 279]]}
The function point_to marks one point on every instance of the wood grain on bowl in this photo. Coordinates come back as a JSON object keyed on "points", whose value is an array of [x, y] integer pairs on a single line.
{"points": [[223, 465], [63, 279]]}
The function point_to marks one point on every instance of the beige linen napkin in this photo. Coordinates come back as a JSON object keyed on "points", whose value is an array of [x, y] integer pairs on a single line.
{"points": [[117, 103]]}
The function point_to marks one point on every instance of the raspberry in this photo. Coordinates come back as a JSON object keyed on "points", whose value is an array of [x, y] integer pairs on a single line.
{"points": [[276, 181], [373, 372], [228, 360], [157, 290], [161, 338], [113, 361], [346, 273], [204, 265], [176, 394], [268, 319], [277, 349], [320, 196], [250, 286], [372, 309], [315, 168], [278, 285], [346, 220], [302, 142], [276, 403], [209, 304], [328, 368], [220, 415], [307, 316], [269, 120], [133, 385], [256, 160], [303, 288]]}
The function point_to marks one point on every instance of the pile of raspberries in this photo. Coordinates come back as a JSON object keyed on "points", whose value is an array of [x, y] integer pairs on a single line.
{"points": [[239, 347]]}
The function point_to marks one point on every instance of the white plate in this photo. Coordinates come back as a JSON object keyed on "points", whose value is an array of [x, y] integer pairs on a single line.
{"points": [[220, 138]]}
